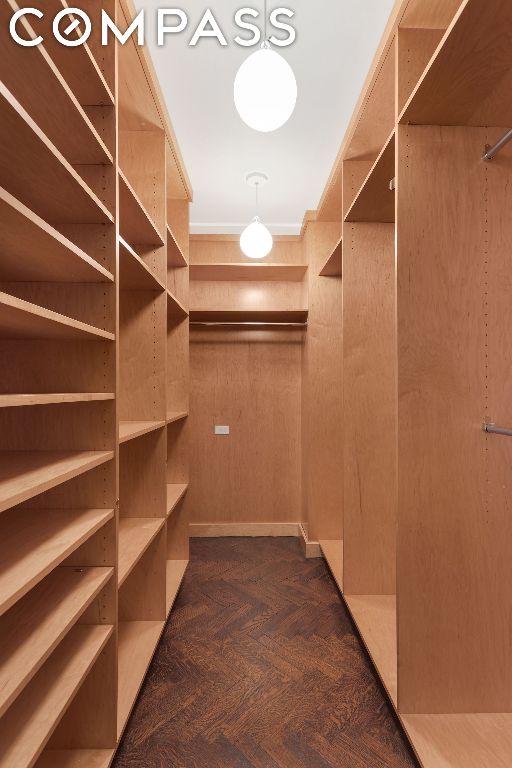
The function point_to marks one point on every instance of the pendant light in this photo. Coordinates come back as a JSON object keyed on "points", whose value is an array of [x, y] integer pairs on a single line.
{"points": [[265, 89], [256, 241]]}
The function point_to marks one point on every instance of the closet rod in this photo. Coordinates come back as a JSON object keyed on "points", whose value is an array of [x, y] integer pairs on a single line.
{"points": [[491, 152], [492, 428], [254, 324]]}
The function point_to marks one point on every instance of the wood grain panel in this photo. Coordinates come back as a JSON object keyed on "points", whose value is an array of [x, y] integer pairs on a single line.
{"points": [[252, 383], [369, 408], [454, 320], [226, 250]]}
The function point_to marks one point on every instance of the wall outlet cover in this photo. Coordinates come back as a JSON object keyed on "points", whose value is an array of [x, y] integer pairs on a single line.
{"points": [[219, 430]]}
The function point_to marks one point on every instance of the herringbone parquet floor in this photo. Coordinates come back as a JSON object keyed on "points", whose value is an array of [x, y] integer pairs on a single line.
{"points": [[259, 667]]}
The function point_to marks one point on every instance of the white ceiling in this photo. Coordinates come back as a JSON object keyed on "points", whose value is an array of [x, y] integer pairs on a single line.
{"points": [[331, 56]]}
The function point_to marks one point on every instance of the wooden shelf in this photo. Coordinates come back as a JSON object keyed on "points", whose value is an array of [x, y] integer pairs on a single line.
{"points": [[333, 553], [175, 493], [25, 474], [175, 573], [333, 267], [34, 627], [130, 430], [137, 644], [21, 319], [467, 81], [176, 416], [253, 272], [174, 308], [38, 173], [134, 274], [135, 536], [375, 617], [375, 201], [75, 758], [135, 224], [27, 726], [33, 251], [175, 256], [249, 316], [16, 401], [34, 541]]}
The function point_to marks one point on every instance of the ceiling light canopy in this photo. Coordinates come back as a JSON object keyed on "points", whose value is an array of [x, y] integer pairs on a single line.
{"points": [[265, 90]]}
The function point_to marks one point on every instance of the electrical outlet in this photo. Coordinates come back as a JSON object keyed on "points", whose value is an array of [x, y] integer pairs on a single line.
{"points": [[221, 430]]}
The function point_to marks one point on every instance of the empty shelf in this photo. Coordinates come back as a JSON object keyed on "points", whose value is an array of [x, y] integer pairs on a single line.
{"points": [[28, 725], [176, 416], [295, 316], [33, 170], [16, 401], [135, 536], [75, 758], [174, 307], [129, 430], [375, 201], [34, 627], [175, 256], [34, 251], [241, 272], [34, 541], [135, 223], [21, 319], [24, 474], [375, 617], [175, 493], [175, 573], [333, 267], [137, 644], [333, 553], [134, 274]]}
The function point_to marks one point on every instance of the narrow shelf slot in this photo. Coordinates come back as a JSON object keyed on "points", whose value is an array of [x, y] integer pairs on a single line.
{"points": [[135, 536], [34, 627], [27, 726], [21, 319], [375, 617], [135, 223], [375, 201], [333, 267], [34, 541], [38, 173], [175, 256], [249, 316], [134, 274], [137, 644], [17, 401], [25, 474], [175, 493], [75, 758], [173, 416], [175, 573], [174, 307], [333, 552], [130, 430], [34, 251], [251, 272]]}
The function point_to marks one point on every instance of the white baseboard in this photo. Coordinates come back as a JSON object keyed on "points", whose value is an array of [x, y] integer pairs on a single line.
{"points": [[218, 530]]}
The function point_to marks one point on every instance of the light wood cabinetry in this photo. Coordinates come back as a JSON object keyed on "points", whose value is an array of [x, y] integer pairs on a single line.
{"points": [[94, 344]]}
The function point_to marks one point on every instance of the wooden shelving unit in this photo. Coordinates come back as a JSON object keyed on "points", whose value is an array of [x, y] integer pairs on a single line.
{"points": [[375, 201], [333, 267], [333, 553], [252, 272], [94, 347], [248, 316]]}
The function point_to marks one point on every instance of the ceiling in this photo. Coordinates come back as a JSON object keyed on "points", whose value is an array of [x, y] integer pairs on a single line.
{"points": [[336, 42]]}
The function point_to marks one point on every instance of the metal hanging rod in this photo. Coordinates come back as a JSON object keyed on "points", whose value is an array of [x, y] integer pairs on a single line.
{"points": [[492, 428], [491, 152], [247, 324]]}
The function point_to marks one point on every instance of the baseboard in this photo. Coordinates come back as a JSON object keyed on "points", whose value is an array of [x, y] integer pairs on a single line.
{"points": [[311, 549], [218, 530]]}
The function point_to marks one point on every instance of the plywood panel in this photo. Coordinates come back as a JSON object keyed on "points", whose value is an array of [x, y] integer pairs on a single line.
{"points": [[244, 296], [251, 382], [322, 401], [369, 408], [415, 48], [226, 250], [454, 321]]}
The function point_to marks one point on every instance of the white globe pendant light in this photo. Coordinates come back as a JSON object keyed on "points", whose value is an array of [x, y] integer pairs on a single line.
{"points": [[265, 90], [256, 241]]}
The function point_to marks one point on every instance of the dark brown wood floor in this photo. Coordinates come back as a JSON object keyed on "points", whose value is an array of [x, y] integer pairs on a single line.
{"points": [[259, 667]]}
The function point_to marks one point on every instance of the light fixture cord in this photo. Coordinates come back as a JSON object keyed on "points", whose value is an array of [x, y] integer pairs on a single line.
{"points": [[265, 21], [257, 188]]}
